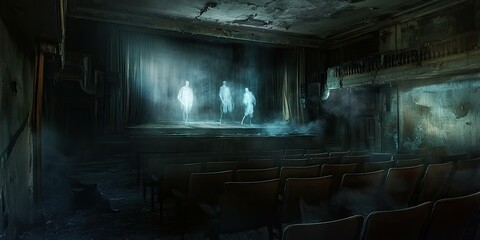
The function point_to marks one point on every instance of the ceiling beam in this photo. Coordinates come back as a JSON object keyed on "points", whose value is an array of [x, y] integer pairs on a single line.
{"points": [[194, 27]]}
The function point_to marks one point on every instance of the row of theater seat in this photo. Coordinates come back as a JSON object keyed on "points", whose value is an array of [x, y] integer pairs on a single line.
{"points": [[446, 219], [465, 168], [149, 162], [192, 185], [375, 161]]}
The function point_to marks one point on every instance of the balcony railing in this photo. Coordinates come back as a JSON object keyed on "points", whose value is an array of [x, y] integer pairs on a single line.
{"points": [[428, 51]]}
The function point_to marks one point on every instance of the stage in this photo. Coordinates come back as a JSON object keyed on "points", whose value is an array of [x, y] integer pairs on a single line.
{"points": [[210, 128], [210, 136]]}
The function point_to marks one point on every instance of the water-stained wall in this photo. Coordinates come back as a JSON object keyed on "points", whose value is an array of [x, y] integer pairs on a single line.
{"points": [[442, 114], [421, 111], [16, 96]]}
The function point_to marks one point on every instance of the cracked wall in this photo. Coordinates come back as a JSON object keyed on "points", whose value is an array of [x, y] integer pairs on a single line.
{"points": [[443, 114]]}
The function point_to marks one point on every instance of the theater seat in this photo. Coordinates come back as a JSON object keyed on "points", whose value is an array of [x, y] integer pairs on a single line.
{"points": [[401, 224], [244, 206], [342, 229], [452, 218]]}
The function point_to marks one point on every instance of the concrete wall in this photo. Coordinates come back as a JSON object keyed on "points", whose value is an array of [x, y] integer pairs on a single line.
{"points": [[16, 166], [441, 114]]}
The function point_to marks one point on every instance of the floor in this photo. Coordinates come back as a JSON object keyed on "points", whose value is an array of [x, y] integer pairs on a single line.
{"points": [[124, 216]]}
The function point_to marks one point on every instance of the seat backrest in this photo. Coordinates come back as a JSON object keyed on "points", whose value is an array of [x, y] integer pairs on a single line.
{"points": [[359, 152], [402, 156], [354, 159], [294, 151], [293, 156], [247, 205], [230, 159], [221, 166], [463, 178], [400, 185], [342, 229], [340, 154], [300, 162], [434, 181], [357, 192], [451, 217], [259, 163], [177, 176], [273, 153], [375, 166], [315, 151], [338, 169], [251, 175], [297, 172], [362, 181], [401, 224], [325, 160], [410, 162], [207, 187], [317, 155], [380, 157], [313, 191]]}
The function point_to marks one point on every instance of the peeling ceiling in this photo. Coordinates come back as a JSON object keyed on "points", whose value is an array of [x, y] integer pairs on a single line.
{"points": [[312, 18]]}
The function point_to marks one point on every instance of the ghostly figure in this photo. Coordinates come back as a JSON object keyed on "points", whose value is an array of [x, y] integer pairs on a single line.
{"points": [[185, 96], [249, 101], [227, 101]]}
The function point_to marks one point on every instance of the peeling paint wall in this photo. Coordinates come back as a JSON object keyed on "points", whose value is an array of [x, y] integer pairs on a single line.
{"points": [[426, 112], [16, 94], [443, 114], [409, 116]]}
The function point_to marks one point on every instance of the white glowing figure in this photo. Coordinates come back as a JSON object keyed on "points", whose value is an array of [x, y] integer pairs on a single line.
{"points": [[227, 101], [185, 96], [249, 101]]}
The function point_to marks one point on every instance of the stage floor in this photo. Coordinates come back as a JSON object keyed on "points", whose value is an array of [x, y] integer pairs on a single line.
{"points": [[210, 128]]}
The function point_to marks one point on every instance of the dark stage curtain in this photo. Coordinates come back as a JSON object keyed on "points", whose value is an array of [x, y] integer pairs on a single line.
{"points": [[151, 68], [293, 87]]}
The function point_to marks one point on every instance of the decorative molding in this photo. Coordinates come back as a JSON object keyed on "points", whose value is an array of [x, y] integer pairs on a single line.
{"points": [[453, 67]]}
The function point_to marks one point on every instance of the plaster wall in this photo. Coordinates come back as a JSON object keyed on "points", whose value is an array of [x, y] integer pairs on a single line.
{"points": [[16, 94], [442, 114]]}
